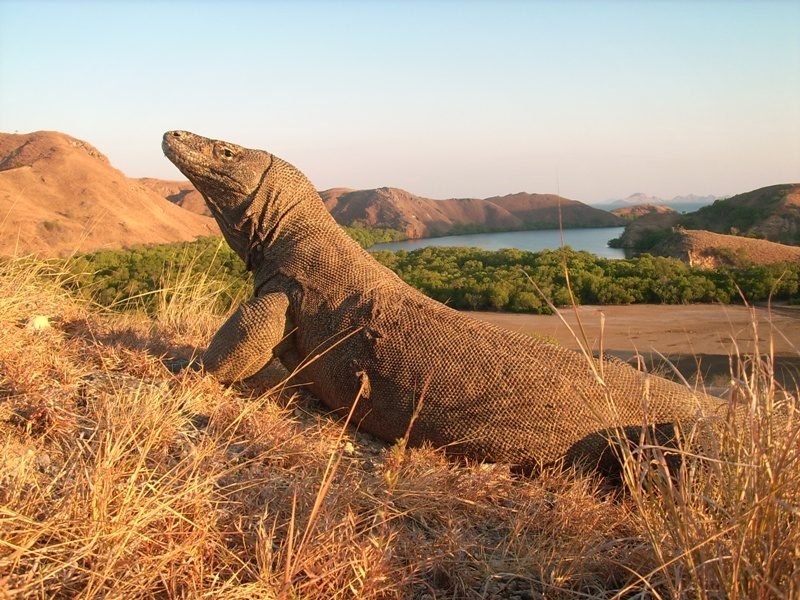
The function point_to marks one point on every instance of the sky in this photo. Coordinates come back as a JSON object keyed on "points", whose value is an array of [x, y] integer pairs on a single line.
{"points": [[594, 100]]}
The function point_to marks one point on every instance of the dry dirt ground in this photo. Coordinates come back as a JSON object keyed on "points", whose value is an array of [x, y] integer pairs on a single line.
{"points": [[697, 339]]}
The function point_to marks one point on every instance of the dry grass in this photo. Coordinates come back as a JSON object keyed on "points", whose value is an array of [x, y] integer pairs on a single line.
{"points": [[120, 480]]}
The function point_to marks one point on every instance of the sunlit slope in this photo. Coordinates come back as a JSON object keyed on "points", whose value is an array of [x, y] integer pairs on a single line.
{"points": [[59, 195]]}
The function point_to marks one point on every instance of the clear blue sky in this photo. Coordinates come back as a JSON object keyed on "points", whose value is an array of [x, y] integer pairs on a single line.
{"points": [[446, 99]]}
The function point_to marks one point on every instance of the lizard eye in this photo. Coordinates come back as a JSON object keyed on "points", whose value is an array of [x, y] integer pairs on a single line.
{"points": [[226, 152]]}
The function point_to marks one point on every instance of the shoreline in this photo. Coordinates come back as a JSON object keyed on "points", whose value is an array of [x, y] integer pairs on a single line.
{"points": [[558, 238]]}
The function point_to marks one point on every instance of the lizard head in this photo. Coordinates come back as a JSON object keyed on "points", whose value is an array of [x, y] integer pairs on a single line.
{"points": [[228, 176]]}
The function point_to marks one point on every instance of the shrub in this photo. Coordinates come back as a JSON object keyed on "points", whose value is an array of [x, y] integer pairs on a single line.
{"points": [[465, 278]]}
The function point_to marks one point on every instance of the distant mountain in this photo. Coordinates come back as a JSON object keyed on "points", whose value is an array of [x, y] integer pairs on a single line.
{"points": [[419, 217], [688, 203], [693, 199], [59, 194], [637, 198], [771, 213]]}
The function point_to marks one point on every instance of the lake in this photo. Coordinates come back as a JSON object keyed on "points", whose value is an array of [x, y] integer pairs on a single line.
{"points": [[593, 240]]}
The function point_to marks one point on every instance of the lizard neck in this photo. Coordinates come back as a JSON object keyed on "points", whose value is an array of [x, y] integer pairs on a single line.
{"points": [[294, 236]]}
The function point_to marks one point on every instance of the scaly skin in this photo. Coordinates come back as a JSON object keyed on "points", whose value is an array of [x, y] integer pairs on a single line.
{"points": [[351, 329]]}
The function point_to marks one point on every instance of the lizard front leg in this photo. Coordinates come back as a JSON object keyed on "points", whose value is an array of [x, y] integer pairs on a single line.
{"points": [[246, 342]]}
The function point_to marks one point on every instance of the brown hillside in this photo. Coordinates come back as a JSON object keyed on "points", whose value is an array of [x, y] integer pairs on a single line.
{"points": [[181, 193], [418, 217], [631, 213], [710, 250], [771, 212], [332, 196], [542, 211], [414, 215], [59, 195]]}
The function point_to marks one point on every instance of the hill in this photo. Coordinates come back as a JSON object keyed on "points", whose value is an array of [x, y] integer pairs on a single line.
{"points": [[181, 193], [414, 215], [637, 211], [541, 211], [771, 213], [59, 194], [711, 250], [419, 217]]}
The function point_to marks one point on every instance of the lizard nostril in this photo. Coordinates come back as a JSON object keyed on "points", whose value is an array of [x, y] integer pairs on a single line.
{"points": [[177, 134]]}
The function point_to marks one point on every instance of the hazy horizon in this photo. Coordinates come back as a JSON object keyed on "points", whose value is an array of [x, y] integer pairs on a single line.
{"points": [[592, 100]]}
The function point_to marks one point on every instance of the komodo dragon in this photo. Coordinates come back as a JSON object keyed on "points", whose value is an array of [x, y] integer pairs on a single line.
{"points": [[352, 329]]}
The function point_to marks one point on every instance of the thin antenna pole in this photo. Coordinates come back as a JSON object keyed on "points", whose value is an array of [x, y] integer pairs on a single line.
{"points": [[560, 218]]}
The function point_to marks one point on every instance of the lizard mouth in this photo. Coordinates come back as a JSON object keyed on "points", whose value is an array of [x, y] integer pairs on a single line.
{"points": [[176, 150], [186, 151]]}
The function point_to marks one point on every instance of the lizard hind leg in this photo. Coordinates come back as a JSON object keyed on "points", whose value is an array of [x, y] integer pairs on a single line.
{"points": [[246, 341]]}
